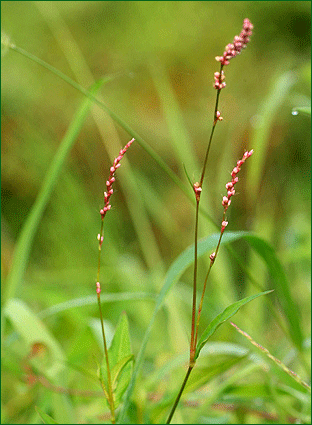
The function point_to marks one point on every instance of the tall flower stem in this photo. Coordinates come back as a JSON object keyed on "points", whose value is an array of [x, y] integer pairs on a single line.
{"points": [[231, 50], [107, 206], [194, 327], [197, 190]]}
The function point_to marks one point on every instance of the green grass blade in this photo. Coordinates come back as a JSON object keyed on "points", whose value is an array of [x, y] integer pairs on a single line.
{"points": [[281, 284], [280, 364], [280, 87], [46, 419], [153, 154], [24, 242], [222, 317], [179, 136], [91, 299]]}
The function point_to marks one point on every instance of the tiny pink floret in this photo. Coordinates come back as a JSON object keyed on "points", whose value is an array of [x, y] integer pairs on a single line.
{"points": [[98, 288], [197, 190]]}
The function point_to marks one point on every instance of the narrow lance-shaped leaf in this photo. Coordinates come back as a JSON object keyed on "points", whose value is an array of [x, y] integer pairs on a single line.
{"points": [[222, 317]]}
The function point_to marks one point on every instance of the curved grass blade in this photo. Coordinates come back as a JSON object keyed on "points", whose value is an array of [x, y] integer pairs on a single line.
{"points": [[153, 154], [90, 300], [281, 284], [24, 242]]}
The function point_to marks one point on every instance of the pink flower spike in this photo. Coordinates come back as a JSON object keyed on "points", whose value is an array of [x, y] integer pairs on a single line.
{"points": [[226, 201], [110, 181], [239, 43]]}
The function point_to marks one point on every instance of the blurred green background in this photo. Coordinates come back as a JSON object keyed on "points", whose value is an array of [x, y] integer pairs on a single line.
{"points": [[160, 56]]}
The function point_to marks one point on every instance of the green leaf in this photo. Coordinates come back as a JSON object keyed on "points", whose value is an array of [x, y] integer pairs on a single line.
{"points": [[32, 330], [46, 419], [120, 356], [118, 368], [26, 237], [222, 317]]}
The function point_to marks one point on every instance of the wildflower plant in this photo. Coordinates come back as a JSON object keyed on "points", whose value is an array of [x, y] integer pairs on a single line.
{"points": [[231, 50], [118, 372], [120, 360]]}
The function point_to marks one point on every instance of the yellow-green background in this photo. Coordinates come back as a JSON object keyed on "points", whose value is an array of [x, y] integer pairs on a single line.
{"points": [[161, 55]]}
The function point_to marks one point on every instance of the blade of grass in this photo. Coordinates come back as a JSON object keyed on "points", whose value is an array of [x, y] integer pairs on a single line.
{"points": [[179, 137], [115, 117], [83, 76], [90, 300], [280, 282], [281, 84], [280, 364], [24, 242]]}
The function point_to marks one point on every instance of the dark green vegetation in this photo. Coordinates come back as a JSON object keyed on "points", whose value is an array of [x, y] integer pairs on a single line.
{"points": [[157, 62]]}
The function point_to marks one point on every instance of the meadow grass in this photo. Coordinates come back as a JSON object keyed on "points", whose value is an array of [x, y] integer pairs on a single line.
{"points": [[147, 269]]}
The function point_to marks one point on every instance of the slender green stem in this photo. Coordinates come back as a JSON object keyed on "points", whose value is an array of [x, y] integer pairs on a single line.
{"points": [[193, 342], [109, 380], [205, 284], [189, 370], [194, 326], [193, 337], [215, 120]]}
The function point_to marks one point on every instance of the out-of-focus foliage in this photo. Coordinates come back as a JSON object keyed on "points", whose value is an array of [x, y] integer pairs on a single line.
{"points": [[161, 57]]}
